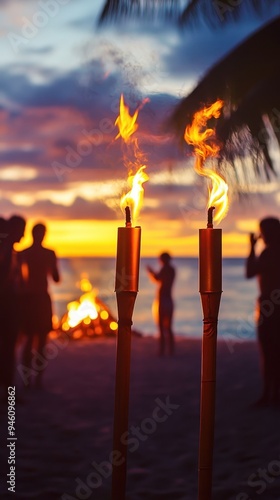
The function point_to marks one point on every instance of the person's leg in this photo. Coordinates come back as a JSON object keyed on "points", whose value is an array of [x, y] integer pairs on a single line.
{"points": [[2, 356], [27, 350], [275, 367], [277, 372], [266, 368], [9, 332], [161, 336], [9, 356], [170, 335], [42, 339], [276, 352], [268, 334]]}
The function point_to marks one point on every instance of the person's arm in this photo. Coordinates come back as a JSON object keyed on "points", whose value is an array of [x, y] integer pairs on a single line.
{"points": [[54, 270], [252, 261], [153, 275]]}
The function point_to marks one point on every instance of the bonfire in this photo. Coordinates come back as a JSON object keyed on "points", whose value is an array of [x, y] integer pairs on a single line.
{"points": [[88, 316]]}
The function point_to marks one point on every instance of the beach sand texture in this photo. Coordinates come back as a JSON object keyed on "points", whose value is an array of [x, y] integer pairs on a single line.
{"points": [[64, 431]]}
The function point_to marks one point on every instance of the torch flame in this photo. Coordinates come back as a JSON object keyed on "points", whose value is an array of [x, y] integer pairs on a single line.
{"points": [[127, 124], [196, 136], [134, 198]]}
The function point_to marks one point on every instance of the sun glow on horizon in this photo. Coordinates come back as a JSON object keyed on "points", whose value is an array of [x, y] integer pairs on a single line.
{"points": [[95, 238]]}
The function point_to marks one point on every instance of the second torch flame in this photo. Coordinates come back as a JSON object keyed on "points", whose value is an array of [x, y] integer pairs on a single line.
{"points": [[134, 198], [205, 146]]}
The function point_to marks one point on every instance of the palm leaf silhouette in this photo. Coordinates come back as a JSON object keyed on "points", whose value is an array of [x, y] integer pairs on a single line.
{"points": [[247, 79]]}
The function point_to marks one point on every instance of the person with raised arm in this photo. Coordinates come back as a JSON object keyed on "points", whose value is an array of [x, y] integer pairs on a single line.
{"points": [[266, 267], [164, 304]]}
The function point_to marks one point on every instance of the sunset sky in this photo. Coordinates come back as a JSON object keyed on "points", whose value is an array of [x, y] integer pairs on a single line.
{"points": [[60, 85]]}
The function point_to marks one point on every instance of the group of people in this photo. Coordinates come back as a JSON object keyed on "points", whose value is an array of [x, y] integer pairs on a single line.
{"points": [[25, 304], [26, 308], [266, 267]]}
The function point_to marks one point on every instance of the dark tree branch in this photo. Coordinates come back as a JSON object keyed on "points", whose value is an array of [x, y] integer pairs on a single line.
{"points": [[213, 12], [217, 12], [117, 10], [248, 80]]}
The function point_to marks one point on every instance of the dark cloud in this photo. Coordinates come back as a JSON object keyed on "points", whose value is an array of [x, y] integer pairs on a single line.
{"points": [[33, 156], [76, 88], [69, 120], [80, 209]]}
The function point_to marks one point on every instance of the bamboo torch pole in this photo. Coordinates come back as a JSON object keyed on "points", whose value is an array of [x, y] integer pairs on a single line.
{"points": [[210, 281], [126, 287]]}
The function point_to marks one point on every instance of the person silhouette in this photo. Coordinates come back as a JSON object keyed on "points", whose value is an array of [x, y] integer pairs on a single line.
{"points": [[12, 230], [38, 264], [163, 305], [266, 267]]}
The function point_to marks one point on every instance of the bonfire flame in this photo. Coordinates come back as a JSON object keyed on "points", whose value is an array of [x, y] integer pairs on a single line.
{"points": [[199, 137], [127, 126], [82, 310], [88, 312]]}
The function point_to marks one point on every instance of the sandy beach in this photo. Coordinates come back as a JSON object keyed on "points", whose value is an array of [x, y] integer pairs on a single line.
{"points": [[64, 431]]}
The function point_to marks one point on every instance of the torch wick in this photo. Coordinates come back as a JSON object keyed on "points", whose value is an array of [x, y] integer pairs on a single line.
{"points": [[127, 217], [210, 217]]}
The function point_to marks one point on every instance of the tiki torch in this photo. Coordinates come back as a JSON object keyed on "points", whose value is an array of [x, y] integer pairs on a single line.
{"points": [[210, 289], [210, 285], [126, 288]]}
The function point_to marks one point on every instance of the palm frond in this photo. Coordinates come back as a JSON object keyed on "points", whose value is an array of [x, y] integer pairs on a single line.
{"points": [[218, 12], [214, 12], [117, 10], [262, 101], [248, 80]]}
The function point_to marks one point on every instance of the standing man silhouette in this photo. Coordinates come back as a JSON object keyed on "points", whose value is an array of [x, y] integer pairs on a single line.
{"points": [[164, 305], [11, 231], [266, 267], [38, 264]]}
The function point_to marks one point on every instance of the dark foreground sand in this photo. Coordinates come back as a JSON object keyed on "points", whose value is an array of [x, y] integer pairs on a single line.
{"points": [[64, 432]]}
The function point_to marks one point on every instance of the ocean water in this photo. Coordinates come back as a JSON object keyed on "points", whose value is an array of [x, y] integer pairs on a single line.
{"points": [[236, 317]]}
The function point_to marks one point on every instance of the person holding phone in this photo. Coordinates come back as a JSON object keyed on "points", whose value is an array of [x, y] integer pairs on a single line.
{"points": [[164, 305], [266, 267]]}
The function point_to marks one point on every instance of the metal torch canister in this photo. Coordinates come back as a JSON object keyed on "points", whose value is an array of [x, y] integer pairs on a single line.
{"points": [[210, 288], [210, 270], [126, 288], [128, 258]]}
